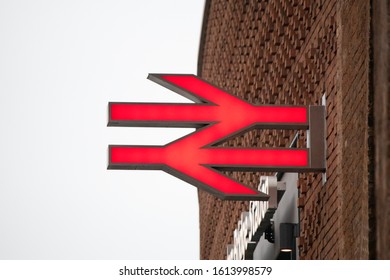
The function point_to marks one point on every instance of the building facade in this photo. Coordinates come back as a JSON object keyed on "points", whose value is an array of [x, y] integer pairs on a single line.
{"points": [[304, 52]]}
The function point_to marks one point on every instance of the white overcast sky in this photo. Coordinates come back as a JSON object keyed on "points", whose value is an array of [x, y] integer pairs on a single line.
{"points": [[61, 62]]}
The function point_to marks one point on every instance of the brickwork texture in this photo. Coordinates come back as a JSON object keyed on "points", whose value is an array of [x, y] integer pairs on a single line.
{"points": [[381, 89], [296, 52]]}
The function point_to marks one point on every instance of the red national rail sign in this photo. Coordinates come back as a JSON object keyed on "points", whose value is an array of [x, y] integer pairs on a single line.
{"points": [[217, 115]]}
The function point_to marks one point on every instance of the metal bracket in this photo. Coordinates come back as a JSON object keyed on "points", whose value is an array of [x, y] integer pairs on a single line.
{"points": [[316, 138], [269, 233]]}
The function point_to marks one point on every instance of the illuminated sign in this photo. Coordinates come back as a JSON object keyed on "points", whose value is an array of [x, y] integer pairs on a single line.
{"points": [[253, 223], [218, 116]]}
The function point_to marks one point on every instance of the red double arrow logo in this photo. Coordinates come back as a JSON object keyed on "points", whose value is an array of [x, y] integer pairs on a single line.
{"points": [[218, 116]]}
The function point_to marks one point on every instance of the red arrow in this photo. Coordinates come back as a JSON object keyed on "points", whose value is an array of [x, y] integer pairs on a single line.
{"points": [[193, 158]]}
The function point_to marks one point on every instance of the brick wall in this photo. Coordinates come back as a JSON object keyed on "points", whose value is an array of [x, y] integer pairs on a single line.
{"points": [[294, 52], [381, 89], [354, 130]]}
